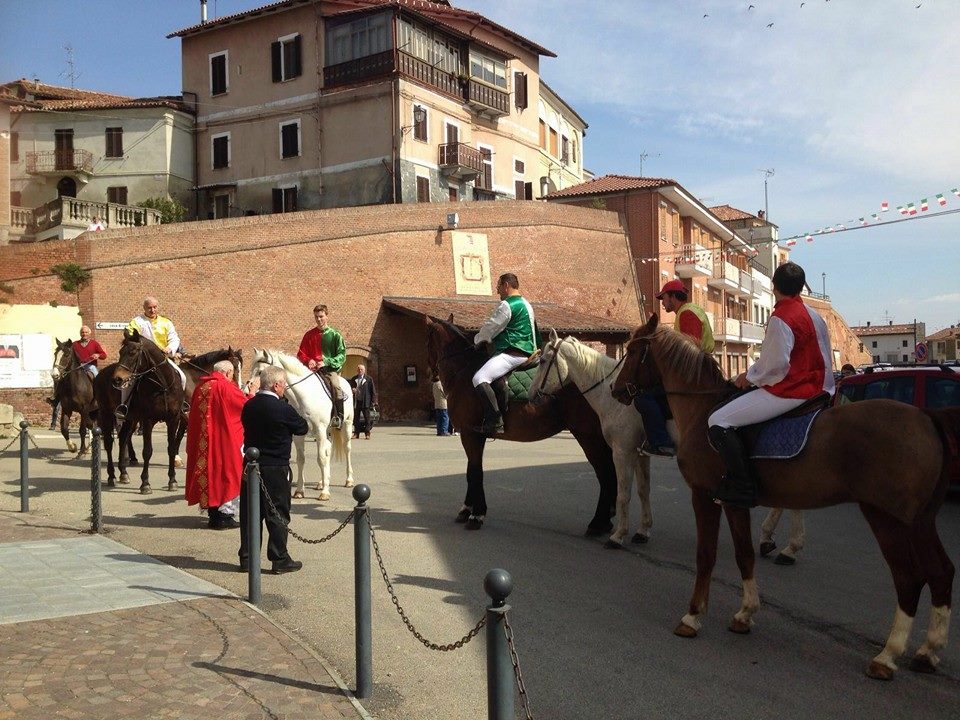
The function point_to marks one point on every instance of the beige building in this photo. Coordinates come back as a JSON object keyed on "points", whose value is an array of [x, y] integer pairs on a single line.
{"points": [[561, 136], [890, 343], [314, 104], [76, 154], [944, 345]]}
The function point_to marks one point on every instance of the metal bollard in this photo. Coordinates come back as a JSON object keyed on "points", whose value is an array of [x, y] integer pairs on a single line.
{"points": [[96, 496], [500, 681], [24, 468], [252, 471], [362, 605]]}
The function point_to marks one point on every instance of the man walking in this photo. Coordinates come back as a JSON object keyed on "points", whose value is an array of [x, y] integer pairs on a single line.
{"points": [[269, 425]]}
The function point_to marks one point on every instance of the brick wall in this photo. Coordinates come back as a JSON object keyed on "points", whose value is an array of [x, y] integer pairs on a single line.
{"points": [[253, 281]]}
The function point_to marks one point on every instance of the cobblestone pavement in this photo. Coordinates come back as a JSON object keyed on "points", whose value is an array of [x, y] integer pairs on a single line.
{"points": [[159, 657]]}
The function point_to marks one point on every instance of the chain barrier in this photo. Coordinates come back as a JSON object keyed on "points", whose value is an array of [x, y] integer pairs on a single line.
{"points": [[515, 659], [17, 437], [276, 516], [406, 620]]}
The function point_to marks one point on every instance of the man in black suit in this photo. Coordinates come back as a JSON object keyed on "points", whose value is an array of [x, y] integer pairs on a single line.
{"points": [[269, 425], [364, 398]]}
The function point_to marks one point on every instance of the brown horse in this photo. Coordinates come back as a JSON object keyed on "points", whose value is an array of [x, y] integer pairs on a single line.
{"points": [[889, 457], [452, 354], [73, 389], [196, 366]]}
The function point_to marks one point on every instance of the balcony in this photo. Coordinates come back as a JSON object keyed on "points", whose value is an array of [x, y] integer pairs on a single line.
{"points": [[694, 261], [745, 284], [751, 332], [725, 277], [425, 73], [364, 68], [460, 160], [58, 162], [486, 100], [67, 217], [728, 330]]}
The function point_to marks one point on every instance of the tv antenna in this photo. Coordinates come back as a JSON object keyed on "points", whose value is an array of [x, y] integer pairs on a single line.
{"points": [[71, 71], [767, 174], [643, 156]]}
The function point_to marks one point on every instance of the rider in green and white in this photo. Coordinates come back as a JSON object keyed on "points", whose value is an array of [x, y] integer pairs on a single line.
{"points": [[511, 330]]}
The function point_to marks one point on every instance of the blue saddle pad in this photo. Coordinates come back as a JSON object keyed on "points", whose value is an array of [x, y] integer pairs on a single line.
{"points": [[782, 438]]}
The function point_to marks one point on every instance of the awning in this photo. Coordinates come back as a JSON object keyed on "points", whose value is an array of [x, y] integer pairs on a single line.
{"points": [[470, 313], [214, 186]]}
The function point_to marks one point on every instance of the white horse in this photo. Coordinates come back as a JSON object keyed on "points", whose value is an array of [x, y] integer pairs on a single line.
{"points": [[569, 361], [310, 398]]}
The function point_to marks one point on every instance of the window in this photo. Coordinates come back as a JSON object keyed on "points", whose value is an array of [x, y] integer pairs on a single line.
{"points": [[543, 135], [454, 194], [15, 198], [905, 359], [942, 392], [565, 150], [453, 132], [290, 139], [518, 166], [900, 389], [425, 44], [423, 189], [523, 190], [904, 343], [221, 151], [14, 147], [485, 179], [420, 128], [285, 199], [285, 58], [520, 90], [873, 344], [487, 69], [359, 38], [219, 77], [553, 142], [117, 195], [114, 140], [573, 151]]}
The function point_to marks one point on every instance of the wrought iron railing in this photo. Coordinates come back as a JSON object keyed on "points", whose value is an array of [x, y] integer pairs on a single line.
{"points": [[48, 161], [460, 156]]}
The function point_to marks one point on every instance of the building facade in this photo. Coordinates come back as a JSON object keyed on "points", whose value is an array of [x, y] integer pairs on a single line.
{"points": [[561, 134], [890, 343], [944, 345], [309, 104]]}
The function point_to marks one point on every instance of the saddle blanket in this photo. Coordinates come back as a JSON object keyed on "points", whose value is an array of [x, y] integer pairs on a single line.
{"points": [[778, 439], [519, 382]]}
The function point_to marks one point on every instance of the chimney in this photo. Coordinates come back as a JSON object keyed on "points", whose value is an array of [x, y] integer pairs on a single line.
{"points": [[203, 11], [868, 323], [890, 322], [760, 214]]}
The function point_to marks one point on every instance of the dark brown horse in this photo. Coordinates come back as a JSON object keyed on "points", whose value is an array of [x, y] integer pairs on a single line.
{"points": [[196, 366], [452, 354], [73, 389], [891, 458]]}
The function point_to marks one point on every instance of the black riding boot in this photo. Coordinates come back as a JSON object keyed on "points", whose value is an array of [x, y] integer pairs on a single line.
{"points": [[738, 487], [337, 420], [492, 420]]}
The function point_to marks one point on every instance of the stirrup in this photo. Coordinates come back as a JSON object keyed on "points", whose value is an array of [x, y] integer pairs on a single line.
{"points": [[121, 412], [335, 423], [185, 407]]}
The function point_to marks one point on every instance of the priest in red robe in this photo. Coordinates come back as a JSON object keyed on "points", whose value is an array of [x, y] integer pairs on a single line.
{"points": [[214, 446]]}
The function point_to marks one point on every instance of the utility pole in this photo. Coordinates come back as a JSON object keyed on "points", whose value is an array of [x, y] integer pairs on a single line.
{"points": [[767, 174], [643, 156]]}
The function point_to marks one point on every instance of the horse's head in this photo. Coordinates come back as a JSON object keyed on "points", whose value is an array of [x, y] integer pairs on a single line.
{"points": [[552, 371], [639, 371], [62, 359], [236, 357], [261, 359], [136, 357], [443, 340]]}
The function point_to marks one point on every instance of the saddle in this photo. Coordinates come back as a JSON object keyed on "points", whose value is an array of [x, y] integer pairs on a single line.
{"points": [[784, 436]]}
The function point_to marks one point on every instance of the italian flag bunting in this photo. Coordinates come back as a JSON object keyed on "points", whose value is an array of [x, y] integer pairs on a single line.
{"points": [[956, 192], [863, 221], [884, 206], [911, 209], [791, 243], [809, 238], [941, 199], [901, 209], [923, 205]]}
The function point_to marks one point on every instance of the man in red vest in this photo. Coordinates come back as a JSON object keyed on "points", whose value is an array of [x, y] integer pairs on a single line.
{"points": [[795, 365]]}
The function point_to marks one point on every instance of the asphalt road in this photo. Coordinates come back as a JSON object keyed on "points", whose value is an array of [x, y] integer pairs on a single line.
{"points": [[593, 626]]}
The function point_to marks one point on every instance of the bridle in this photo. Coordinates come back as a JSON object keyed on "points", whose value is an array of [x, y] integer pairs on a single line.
{"points": [[632, 391], [57, 364], [141, 353], [552, 365]]}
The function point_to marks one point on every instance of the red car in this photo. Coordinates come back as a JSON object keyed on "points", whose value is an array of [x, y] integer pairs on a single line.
{"points": [[924, 386]]}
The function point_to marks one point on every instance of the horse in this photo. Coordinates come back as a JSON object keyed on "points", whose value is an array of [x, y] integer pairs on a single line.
{"points": [[891, 458], [73, 389], [309, 395], [570, 362], [157, 396], [451, 354], [196, 366]]}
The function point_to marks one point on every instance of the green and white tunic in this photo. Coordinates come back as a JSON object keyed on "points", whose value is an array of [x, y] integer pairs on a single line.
{"points": [[511, 326]]}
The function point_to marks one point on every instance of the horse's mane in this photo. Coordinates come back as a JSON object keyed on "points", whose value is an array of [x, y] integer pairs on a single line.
{"points": [[209, 358], [594, 362], [684, 354], [152, 349], [290, 363]]}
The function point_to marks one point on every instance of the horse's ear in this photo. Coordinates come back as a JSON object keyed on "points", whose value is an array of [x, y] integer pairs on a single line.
{"points": [[553, 335], [652, 324], [450, 319], [57, 341]]}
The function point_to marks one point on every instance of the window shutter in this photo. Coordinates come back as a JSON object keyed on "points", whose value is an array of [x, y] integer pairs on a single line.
{"points": [[277, 200], [519, 189], [275, 50], [528, 191], [14, 147], [297, 68], [520, 89]]}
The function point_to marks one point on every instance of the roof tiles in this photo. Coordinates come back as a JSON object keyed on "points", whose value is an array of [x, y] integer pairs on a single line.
{"points": [[610, 184]]}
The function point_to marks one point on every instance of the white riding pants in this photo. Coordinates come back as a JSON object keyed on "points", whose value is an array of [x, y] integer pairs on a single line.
{"points": [[497, 367], [753, 407]]}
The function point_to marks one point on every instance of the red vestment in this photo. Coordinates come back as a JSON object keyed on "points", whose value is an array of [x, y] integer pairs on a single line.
{"points": [[214, 440]]}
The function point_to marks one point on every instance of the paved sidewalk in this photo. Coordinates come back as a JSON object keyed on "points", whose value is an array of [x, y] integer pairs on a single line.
{"points": [[92, 629]]}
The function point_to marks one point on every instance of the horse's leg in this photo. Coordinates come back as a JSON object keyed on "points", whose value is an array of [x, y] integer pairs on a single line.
{"points": [[626, 466], [739, 521], [147, 426], [600, 457], [65, 429], [107, 437], [175, 432], [323, 460], [84, 423], [894, 540], [123, 441], [474, 510], [347, 434], [298, 443], [707, 515], [642, 472], [795, 544], [767, 529], [939, 573]]}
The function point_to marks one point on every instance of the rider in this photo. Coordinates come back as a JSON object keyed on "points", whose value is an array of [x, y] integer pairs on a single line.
{"points": [[690, 319], [322, 350], [153, 326], [88, 351], [795, 365], [512, 330]]}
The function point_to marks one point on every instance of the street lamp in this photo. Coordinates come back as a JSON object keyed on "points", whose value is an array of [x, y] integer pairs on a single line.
{"points": [[824, 278]]}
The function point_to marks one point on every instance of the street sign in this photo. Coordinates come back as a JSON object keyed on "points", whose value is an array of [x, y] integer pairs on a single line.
{"points": [[920, 352], [111, 325]]}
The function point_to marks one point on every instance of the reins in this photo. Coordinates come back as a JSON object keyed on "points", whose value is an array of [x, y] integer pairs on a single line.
{"points": [[552, 364]]}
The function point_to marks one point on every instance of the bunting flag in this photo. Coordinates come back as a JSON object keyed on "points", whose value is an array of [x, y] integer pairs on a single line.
{"points": [[941, 199], [924, 206], [901, 209], [911, 209], [875, 216], [809, 238], [863, 221], [884, 206], [956, 192], [791, 243]]}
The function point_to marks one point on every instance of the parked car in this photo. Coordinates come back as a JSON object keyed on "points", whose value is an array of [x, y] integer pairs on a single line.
{"points": [[924, 386]]}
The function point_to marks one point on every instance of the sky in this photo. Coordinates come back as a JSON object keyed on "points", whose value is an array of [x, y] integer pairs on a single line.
{"points": [[850, 103]]}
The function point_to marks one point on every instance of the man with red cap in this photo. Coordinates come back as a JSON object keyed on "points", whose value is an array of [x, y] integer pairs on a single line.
{"points": [[689, 319]]}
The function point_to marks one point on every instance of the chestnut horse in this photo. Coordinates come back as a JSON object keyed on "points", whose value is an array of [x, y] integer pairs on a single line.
{"points": [[889, 457], [452, 354]]}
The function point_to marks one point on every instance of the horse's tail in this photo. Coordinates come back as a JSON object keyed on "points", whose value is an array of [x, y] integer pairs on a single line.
{"points": [[947, 422], [340, 443]]}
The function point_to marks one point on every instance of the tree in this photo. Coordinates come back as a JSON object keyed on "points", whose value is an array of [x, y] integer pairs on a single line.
{"points": [[171, 210], [73, 278]]}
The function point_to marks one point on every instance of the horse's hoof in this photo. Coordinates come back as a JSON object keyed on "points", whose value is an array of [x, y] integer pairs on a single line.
{"points": [[172, 485], [124, 479], [782, 559], [767, 547], [83, 451], [879, 671], [324, 496], [474, 523], [922, 664], [739, 627], [146, 490], [685, 631], [613, 545], [111, 483], [133, 462], [72, 447], [177, 462], [462, 516], [298, 495], [348, 483], [640, 539]]}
